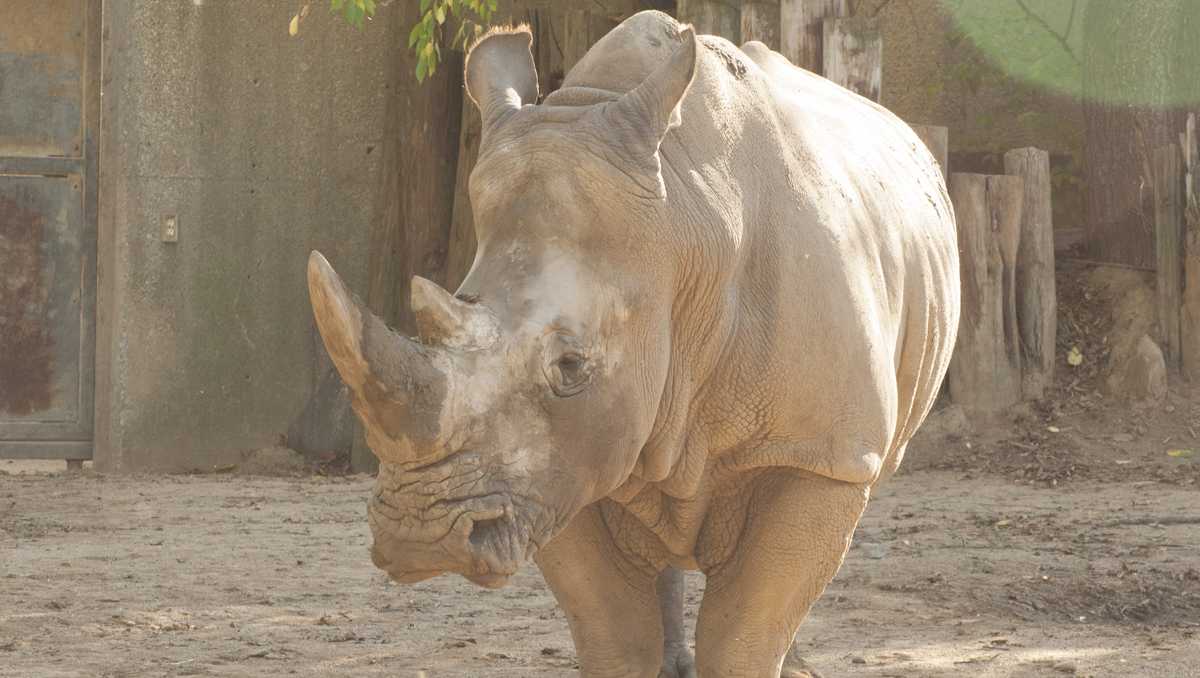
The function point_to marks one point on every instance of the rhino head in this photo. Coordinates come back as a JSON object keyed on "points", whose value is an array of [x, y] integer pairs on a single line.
{"points": [[532, 392]]}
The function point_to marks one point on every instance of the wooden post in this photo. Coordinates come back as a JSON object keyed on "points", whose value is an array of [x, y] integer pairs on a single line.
{"points": [[1037, 306], [760, 21], [1189, 330], [853, 54], [802, 30], [711, 17], [1167, 173], [937, 140], [985, 372]]}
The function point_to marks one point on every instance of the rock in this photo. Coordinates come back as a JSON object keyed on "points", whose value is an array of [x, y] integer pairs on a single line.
{"points": [[946, 422], [1141, 375], [274, 461], [875, 551]]}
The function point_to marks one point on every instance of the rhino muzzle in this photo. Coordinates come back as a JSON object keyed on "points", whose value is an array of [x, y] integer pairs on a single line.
{"points": [[435, 507]]}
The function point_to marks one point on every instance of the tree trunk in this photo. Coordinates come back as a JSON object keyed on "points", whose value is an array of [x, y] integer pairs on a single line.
{"points": [[413, 209], [1037, 307], [985, 371], [853, 54], [1168, 222], [711, 17], [1190, 316], [802, 30], [1139, 64], [937, 140], [760, 21]]}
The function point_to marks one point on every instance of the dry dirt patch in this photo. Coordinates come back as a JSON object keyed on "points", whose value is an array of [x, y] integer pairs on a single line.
{"points": [[232, 576]]}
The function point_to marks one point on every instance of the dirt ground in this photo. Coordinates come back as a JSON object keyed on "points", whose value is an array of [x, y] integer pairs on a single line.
{"points": [[1064, 540], [951, 574]]}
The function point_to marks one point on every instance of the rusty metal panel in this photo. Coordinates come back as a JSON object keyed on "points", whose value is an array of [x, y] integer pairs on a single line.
{"points": [[41, 77], [42, 294]]}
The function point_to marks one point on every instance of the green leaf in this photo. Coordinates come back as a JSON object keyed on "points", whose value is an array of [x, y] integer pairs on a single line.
{"points": [[425, 4], [440, 15], [422, 67], [414, 35], [335, 5]]}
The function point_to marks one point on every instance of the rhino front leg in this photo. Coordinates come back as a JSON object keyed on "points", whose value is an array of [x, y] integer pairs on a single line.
{"points": [[610, 602], [678, 661], [797, 530]]}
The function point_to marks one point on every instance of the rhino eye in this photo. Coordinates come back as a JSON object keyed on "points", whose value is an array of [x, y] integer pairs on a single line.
{"points": [[570, 374]]}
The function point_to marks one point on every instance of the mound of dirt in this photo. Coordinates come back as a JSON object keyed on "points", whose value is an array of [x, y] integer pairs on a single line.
{"points": [[1087, 426]]}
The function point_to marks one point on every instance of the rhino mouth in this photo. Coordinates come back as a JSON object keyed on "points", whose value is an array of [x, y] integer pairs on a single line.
{"points": [[486, 539]]}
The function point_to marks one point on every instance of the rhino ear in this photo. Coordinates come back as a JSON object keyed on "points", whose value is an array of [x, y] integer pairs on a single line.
{"points": [[500, 74], [645, 115]]}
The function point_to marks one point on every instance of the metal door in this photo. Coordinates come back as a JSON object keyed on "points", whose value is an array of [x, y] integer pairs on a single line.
{"points": [[49, 113]]}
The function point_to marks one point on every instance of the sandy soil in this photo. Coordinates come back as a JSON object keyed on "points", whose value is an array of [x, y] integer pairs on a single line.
{"points": [[952, 573]]}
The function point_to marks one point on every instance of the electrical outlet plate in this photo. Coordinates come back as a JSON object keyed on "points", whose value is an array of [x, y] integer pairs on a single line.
{"points": [[170, 228]]}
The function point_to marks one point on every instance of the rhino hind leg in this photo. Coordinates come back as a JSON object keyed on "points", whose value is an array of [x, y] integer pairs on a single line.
{"points": [[678, 660]]}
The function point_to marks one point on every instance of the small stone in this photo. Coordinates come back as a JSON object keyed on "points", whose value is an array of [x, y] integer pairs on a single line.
{"points": [[1142, 375], [857, 660], [1065, 667], [875, 551]]}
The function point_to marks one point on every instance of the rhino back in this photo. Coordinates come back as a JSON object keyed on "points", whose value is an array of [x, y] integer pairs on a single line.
{"points": [[827, 233]]}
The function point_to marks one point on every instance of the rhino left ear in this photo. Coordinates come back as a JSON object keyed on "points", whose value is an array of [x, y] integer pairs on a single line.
{"points": [[645, 115], [499, 73]]}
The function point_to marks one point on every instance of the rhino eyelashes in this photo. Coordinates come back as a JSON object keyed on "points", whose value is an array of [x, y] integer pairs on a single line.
{"points": [[467, 298]]}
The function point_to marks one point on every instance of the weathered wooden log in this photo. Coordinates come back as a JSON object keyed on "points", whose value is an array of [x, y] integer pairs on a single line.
{"points": [[937, 140], [1167, 178], [985, 372], [1189, 321], [711, 17], [760, 21], [802, 30], [853, 54], [1037, 305]]}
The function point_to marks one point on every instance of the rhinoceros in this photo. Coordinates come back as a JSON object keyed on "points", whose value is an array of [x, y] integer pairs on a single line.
{"points": [[714, 296]]}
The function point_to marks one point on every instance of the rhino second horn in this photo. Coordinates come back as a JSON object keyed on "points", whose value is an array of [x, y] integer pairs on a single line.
{"points": [[446, 321]]}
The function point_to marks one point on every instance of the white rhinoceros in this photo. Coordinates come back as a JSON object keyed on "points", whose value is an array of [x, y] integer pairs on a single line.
{"points": [[714, 297]]}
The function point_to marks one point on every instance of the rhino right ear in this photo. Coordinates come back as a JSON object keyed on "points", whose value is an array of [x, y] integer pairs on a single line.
{"points": [[645, 114], [500, 74]]}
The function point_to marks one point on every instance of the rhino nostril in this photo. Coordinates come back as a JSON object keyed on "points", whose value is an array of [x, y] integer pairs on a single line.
{"points": [[482, 529]]}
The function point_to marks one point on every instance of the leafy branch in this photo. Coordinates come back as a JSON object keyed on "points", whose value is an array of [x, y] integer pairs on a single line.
{"points": [[425, 39], [355, 11]]}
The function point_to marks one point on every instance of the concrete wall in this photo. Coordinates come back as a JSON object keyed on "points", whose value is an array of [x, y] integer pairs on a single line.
{"points": [[263, 146]]}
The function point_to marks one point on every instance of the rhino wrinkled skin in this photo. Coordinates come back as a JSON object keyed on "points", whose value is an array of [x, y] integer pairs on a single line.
{"points": [[714, 297]]}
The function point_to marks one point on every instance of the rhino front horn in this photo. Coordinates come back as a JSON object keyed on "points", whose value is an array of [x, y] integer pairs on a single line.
{"points": [[398, 389]]}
